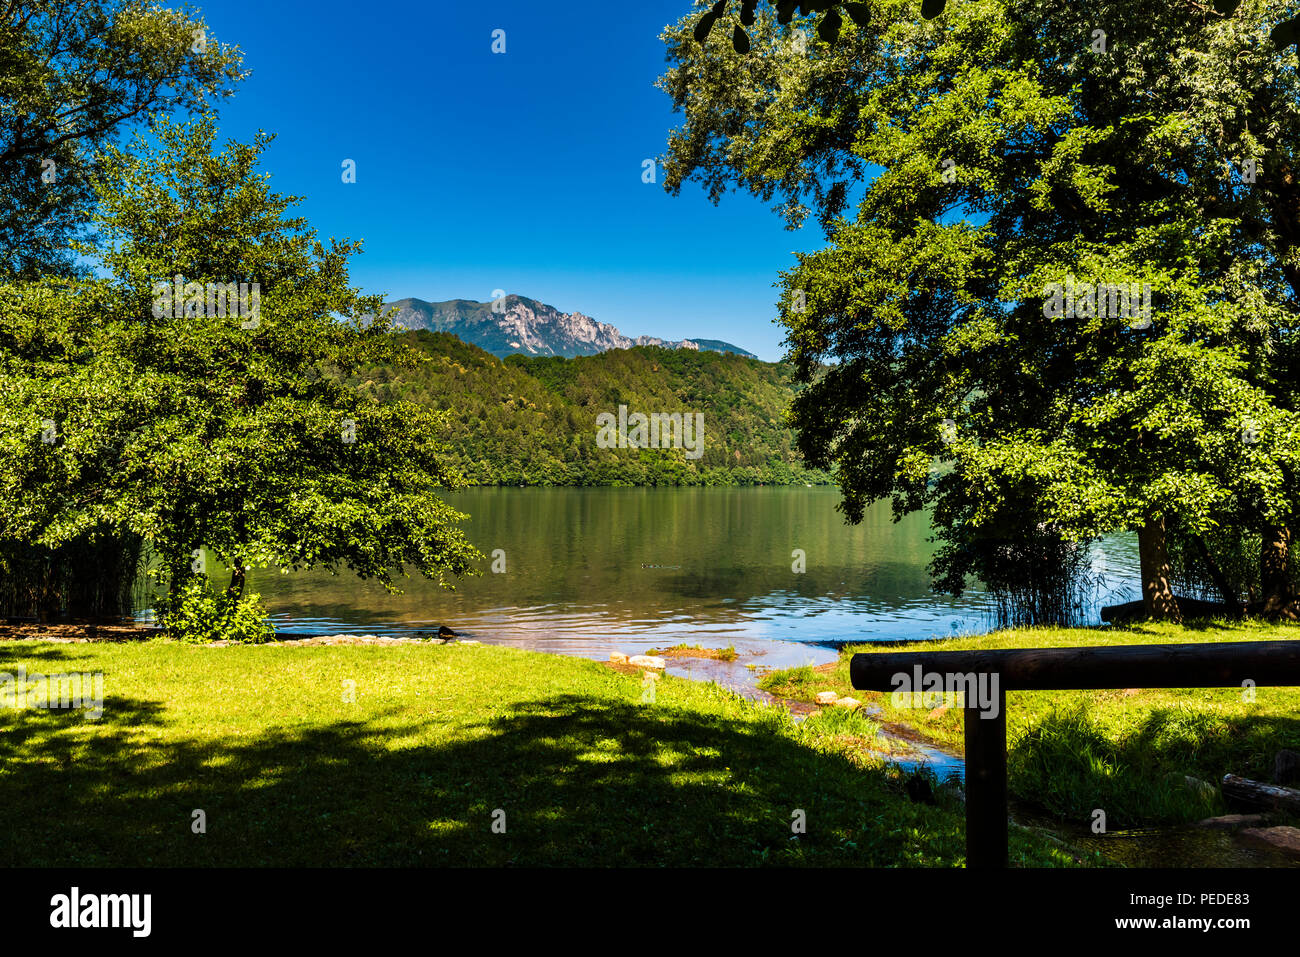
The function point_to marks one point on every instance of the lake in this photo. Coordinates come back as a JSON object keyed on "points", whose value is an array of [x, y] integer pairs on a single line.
{"points": [[595, 570]]}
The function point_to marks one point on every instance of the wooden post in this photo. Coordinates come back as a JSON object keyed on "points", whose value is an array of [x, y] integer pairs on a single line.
{"points": [[986, 784]]}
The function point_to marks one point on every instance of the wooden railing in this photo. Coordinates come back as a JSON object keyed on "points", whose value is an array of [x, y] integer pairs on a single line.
{"points": [[1240, 664]]}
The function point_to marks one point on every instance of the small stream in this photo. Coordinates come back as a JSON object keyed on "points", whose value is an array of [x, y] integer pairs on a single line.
{"points": [[1188, 846]]}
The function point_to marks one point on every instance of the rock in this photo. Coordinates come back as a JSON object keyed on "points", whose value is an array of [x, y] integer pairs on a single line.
{"points": [[651, 676], [1202, 789], [919, 790], [826, 697], [1227, 822], [1283, 838], [466, 641], [648, 661], [1286, 767], [530, 327], [617, 658], [847, 702]]}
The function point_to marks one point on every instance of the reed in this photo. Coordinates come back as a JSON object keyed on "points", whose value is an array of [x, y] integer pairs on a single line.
{"points": [[95, 577]]}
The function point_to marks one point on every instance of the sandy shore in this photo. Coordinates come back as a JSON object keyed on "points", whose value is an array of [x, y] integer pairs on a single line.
{"points": [[78, 632]]}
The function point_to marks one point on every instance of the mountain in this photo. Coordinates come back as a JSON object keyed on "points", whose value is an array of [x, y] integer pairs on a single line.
{"points": [[535, 421], [531, 328]]}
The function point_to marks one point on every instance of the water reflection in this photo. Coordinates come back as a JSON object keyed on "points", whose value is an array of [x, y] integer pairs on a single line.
{"points": [[597, 569]]}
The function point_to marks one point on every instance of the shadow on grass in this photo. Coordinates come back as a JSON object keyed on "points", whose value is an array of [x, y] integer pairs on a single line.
{"points": [[1243, 625], [576, 780]]}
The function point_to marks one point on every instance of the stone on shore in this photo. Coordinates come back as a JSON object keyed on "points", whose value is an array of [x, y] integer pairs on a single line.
{"points": [[648, 661], [1283, 838], [1202, 789], [1286, 767], [827, 697], [617, 658], [847, 702]]}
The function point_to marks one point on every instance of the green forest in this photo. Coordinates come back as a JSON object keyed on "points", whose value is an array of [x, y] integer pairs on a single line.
{"points": [[532, 421]]}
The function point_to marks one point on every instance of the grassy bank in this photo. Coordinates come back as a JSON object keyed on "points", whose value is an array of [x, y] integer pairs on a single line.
{"points": [[1126, 751], [437, 740]]}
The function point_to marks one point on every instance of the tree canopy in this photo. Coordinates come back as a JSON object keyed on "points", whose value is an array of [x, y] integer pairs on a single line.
{"points": [[196, 420], [532, 420], [972, 175], [74, 76]]}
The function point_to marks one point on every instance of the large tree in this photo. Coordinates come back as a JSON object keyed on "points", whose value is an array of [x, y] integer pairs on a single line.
{"points": [[968, 173], [76, 75], [208, 420]]}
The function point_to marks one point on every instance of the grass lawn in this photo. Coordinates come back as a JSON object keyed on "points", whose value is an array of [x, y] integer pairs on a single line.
{"points": [[439, 737], [1126, 751]]}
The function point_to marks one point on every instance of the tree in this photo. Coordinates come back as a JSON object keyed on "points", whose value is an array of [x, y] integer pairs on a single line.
{"points": [[828, 25], [192, 418], [74, 75], [1009, 162]]}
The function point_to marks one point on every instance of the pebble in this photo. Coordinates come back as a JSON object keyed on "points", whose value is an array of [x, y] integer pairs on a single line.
{"points": [[380, 640]]}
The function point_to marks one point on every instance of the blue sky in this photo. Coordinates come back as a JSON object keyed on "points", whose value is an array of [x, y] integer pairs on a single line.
{"points": [[518, 171]]}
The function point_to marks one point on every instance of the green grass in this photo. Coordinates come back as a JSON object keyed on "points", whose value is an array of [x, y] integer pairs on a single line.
{"points": [[439, 737], [685, 651], [1071, 752]]}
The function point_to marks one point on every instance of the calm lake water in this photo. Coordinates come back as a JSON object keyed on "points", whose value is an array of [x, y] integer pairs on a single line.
{"points": [[595, 570]]}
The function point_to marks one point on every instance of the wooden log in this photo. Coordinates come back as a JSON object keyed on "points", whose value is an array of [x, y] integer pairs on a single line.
{"points": [[1199, 665], [1270, 797]]}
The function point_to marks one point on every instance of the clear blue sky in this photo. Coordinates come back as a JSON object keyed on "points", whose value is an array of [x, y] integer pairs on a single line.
{"points": [[519, 171]]}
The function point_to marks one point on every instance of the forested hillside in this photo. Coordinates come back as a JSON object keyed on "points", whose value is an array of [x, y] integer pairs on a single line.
{"points": [[532, 421]]}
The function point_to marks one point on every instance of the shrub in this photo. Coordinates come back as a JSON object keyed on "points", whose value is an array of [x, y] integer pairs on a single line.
{"points": [[204, 614]]}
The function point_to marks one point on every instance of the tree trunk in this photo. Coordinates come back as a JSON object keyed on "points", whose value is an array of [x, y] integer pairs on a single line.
{"points": [[1226, 591], [1274, 550], [1153, 552], [235, 591]]}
